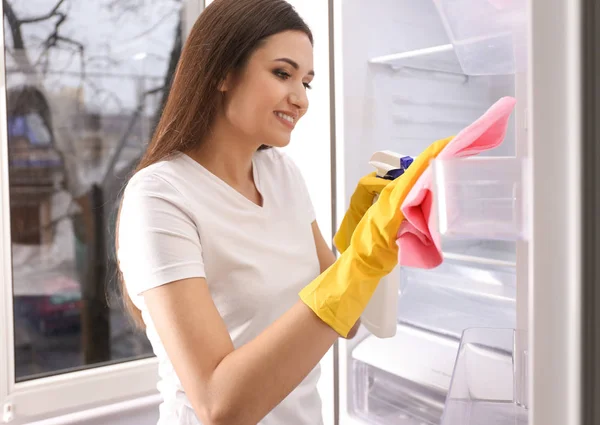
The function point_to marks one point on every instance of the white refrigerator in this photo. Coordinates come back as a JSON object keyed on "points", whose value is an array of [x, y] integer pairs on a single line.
{"points": [[495, 334], [506, 330]]}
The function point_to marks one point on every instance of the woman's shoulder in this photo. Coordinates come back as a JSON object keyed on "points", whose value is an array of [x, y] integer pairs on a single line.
{"points": [[150, 195], [157, 179], [276, 158], [281, 170]]}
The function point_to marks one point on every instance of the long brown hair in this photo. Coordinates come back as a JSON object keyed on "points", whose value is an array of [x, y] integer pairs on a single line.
{"points": [[222, 39]]}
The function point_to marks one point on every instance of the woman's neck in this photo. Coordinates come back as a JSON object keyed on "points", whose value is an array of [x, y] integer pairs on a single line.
{"points": [[227, 155]]}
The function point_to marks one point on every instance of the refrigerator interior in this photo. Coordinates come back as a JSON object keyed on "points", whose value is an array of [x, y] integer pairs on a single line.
{"points": [[403, 103]]}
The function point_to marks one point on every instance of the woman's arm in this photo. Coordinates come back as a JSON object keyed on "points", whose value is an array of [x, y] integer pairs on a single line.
{"points": [[326, 259], [229, 386], [326, 255]]}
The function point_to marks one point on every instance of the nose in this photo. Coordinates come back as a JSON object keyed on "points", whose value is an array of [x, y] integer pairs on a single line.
{"points": [[299, 99]]}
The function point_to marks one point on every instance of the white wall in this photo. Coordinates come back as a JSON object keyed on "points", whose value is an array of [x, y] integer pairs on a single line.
{"points": [[311, 140]]}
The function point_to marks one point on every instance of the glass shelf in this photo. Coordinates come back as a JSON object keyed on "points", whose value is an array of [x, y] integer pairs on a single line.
{"points": [[456, 296], [435, 59]]}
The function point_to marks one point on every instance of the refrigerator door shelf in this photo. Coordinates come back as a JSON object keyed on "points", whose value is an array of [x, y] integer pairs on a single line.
{"points": [[483, 382], [489, 36], [401, 380], [381, 399], [481, 198]]}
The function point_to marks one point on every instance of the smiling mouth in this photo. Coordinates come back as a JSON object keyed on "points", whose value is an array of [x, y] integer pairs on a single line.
{"points": [[287, 118]]}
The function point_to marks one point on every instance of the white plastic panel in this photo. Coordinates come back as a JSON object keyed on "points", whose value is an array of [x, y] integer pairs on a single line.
{"points": [[555, 252]]}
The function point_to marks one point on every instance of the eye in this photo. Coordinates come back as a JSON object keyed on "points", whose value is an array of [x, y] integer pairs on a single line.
{"points": [[281, 74], [284, 75]]}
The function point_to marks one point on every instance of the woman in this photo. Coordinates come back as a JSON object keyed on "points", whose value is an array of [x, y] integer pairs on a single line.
{"points": [[218, 245]]}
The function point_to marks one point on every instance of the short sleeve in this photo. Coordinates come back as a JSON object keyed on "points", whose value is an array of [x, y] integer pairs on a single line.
{"points": [[158, 241]]}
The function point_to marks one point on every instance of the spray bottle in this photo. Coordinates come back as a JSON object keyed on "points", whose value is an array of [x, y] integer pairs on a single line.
{"points": [[380, 315]]}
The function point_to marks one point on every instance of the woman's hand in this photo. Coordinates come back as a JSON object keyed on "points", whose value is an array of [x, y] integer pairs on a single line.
{"points": [[339, 295], [368, 187]]}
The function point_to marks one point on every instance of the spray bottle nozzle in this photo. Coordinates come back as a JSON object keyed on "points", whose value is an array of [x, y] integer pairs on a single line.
{"points": [[393, 174]]}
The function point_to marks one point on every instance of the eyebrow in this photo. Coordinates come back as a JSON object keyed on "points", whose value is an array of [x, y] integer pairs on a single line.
{"points": [[293, 64]]}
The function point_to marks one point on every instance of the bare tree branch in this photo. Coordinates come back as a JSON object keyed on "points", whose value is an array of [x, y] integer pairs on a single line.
{"points": [[154, 90], [43, 17], [54, 38], [123, 142], [128, 5], [98, 91], [14, 24], [173, 60], [158, 22], [19, 53], [103, 58]]}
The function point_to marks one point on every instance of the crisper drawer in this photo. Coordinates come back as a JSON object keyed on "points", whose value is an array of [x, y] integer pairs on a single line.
{"points": [[458, 295], [401, 380]]}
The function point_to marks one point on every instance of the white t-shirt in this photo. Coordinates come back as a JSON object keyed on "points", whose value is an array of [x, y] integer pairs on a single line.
{"points": [[178, 221]]}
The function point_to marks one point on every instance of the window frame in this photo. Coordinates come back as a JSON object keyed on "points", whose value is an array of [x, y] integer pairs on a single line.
{"points": [[69, 392]]}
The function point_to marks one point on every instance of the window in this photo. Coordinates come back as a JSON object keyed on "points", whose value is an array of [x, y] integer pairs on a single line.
{"points": [[85, 82]]}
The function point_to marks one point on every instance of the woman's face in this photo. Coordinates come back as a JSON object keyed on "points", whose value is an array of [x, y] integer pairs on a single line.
{"points": [[268, 97]]}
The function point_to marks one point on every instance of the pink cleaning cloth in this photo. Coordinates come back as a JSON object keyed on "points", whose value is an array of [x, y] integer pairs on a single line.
{"points": [[418, 240]]}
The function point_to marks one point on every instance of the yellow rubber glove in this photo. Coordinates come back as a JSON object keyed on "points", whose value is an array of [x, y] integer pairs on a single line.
{"points": [[340, 294], [361, 200]]}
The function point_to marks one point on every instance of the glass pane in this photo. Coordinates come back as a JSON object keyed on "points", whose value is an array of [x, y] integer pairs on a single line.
{"points": [[85, 81]]}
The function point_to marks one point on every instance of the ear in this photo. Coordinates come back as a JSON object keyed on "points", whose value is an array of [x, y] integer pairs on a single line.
{"points": [[227, 83]]}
